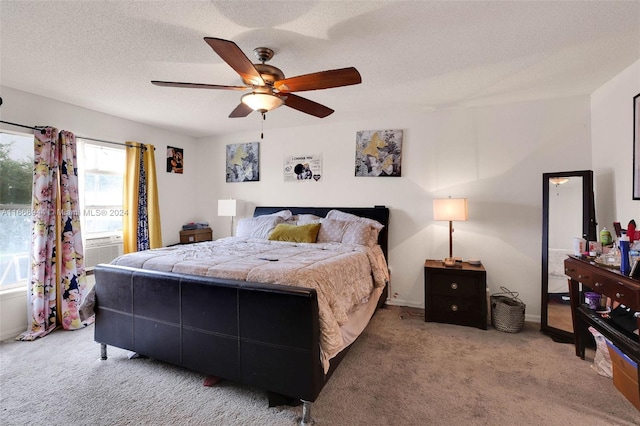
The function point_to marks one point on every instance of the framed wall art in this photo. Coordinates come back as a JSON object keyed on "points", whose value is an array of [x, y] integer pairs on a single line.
{"points": [[243, 162], [303, 168], [378, 153], [636, 147], [175, 160]]}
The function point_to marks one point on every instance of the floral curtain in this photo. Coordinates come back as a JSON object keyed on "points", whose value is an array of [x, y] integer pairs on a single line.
{"points": [[58, 281]]}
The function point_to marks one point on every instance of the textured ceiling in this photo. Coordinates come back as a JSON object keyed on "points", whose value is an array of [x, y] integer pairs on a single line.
{"points": [[428, 55]]}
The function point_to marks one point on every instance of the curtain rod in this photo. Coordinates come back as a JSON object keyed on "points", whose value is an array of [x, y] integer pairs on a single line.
{"points": [[79, 137], [23, 126]]}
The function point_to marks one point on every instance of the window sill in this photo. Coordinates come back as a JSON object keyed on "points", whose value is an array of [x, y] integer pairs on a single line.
{"points": [[11, 293]]}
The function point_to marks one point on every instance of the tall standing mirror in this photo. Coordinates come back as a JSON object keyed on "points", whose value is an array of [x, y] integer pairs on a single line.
{"points": [[568, 212]]}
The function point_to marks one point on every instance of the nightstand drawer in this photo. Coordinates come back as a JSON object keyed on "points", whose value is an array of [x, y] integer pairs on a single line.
{"points": [[456, 285], [453, 310], [455, 306]]}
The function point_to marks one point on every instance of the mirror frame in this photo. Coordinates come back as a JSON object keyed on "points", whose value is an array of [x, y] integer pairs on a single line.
{"points": [[588, 233]]}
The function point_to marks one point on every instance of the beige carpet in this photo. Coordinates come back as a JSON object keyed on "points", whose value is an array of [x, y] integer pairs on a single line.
{"points": [[402, 371]]}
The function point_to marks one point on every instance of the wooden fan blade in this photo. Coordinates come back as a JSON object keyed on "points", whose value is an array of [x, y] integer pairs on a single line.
{"points": [[307, 106], [241, 110], [196, 85], [319, 80], [232, 55]]}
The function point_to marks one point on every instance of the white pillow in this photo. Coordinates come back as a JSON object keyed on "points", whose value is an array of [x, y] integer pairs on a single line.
{"points": [[305, 219], [358, 233], [284, 214], [293, 220], [373, 224], [342, 231], [331, 231], [258, 227]]}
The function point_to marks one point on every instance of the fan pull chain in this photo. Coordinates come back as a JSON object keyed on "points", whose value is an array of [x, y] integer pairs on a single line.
{"points": [[264, 117]]}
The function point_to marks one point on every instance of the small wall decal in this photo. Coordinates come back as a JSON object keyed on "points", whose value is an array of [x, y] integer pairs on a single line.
{"points": [[303, 168]]}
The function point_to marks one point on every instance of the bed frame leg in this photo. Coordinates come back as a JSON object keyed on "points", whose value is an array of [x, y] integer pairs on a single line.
{"points": [[103, 351], [306, 413]]}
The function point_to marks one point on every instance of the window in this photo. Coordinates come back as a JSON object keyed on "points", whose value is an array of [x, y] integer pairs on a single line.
{"points": [[16, 181], [103, 170]]}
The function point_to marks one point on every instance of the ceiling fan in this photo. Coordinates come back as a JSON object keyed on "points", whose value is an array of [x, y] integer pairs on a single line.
{"points": [[268, 85]]}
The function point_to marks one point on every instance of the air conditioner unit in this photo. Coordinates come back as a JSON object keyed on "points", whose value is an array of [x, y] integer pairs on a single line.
{"points": [[102, 250]]}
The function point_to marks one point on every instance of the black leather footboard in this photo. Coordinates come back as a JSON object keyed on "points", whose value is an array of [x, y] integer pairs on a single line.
{"points": [[261, 335]]}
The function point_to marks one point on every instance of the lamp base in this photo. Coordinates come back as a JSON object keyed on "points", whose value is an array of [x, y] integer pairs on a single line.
{"points": [[452, 262]]}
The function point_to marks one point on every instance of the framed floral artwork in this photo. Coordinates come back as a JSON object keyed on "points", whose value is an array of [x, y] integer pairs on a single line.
{"points": [[378, 153], [243, 163]]}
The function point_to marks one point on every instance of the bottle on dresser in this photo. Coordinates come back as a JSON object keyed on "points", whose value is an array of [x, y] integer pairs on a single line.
{"points": [[625, 265]]}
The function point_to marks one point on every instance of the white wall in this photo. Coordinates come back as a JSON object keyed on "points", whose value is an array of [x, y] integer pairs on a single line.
{"points": [[612, 136], [494, 156], [176, 191]]}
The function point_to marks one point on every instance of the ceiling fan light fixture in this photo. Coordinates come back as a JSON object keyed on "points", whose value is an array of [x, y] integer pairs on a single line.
{"points": [[268, 85], [558, 180], [262, 102]]}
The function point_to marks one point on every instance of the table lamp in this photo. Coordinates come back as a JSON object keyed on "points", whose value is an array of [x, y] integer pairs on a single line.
{"points": [[227, 208], [450, 209]]}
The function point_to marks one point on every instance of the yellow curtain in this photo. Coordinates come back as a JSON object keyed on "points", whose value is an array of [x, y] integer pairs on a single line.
{"points": [[130, 202], [153, 206], [141, 228]]}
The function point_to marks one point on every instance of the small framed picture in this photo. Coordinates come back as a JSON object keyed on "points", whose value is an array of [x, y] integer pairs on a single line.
{"points": [[175, 160], [595, 247], [635, 270]]}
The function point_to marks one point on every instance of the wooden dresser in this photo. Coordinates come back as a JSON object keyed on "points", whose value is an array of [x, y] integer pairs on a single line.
{"points": [[619, 288]]}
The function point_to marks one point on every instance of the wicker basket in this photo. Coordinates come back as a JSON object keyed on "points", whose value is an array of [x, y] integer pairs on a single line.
{"points": [[507, 311]]}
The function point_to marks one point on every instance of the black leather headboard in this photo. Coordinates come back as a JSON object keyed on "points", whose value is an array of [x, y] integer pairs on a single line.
{"points": [[379, 213]]}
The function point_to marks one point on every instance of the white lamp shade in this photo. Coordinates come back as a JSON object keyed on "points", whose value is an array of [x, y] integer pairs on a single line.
{"points": [[227, 208], [450, 209]]}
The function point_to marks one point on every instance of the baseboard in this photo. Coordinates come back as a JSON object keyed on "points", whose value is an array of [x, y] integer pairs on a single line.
{"points": [[532, 318], [402, 302]]}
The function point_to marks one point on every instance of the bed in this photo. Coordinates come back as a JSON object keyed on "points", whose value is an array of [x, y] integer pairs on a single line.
{"points": [[268, 335]]}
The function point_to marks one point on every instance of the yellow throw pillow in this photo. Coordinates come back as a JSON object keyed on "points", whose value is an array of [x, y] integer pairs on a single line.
{"points": [[295, 233]]}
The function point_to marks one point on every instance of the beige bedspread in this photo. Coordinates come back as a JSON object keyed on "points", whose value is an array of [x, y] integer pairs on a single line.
{"points": [[343, 275]]}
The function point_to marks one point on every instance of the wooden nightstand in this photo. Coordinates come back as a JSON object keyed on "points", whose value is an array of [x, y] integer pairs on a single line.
{"points": [[455, 295], [196, 235]]}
